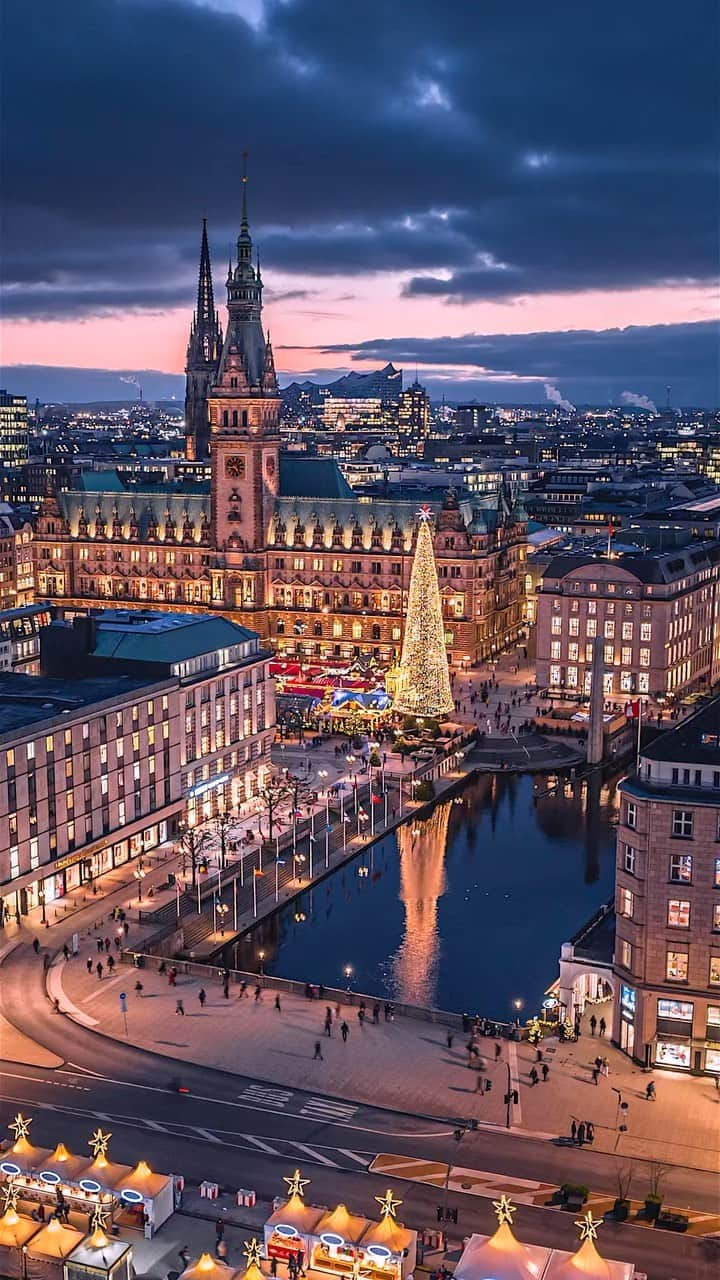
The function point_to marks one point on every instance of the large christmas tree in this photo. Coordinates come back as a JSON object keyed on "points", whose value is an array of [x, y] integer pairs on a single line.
{"points": [[422, 685]]}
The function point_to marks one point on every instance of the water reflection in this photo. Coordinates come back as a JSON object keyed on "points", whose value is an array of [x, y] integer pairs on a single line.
{"points": [[421, 849], [467, 913]]}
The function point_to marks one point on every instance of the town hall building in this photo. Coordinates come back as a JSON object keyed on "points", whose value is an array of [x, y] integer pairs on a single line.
{"points": [[279, 544]]}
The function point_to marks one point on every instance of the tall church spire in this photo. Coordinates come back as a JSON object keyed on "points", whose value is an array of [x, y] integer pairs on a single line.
{"points": [[244, 347], [203, 355]]}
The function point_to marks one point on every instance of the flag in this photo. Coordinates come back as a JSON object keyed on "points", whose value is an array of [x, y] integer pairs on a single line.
{"points": [[632, 709]]}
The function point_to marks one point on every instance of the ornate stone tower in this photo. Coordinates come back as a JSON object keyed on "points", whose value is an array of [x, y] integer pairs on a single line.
{"points": [[203, 354], [244, 411]]}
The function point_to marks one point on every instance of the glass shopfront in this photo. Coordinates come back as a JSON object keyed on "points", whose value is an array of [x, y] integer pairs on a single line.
{"points": [[669, 1054], [628, 1005], [712, 1060]]}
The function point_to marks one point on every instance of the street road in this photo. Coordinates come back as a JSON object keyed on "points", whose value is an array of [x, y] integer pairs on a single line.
{"points": [[243, 1132]]}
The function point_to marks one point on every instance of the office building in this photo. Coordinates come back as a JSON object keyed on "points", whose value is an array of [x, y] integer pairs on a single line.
{"points": [[13, 429]]}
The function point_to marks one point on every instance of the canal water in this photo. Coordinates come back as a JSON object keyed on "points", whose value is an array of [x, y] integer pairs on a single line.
{"points": [[464, 910]]}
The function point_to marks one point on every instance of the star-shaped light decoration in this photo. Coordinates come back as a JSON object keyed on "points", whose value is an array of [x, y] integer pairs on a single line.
{"points": [[10, 1195], [388, 1204], [297, 1184], [20, 1126], [99, 1220], [588, 1226], [425, 513], [252, 1253], [98, 1143], [504, 1210]]}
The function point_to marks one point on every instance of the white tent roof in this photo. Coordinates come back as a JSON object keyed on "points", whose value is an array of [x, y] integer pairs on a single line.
{"points": [[501, 1256]]}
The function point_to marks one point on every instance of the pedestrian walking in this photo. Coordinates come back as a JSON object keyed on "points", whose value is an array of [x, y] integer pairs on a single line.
{"points": [[361, 1014], [650, 1092], [138, 987], [89, 964], [180, 1008], [110, 963], [573, 1131], [534, 1075], [99, 945], [172, 976], [36, 945], [184, 1256], [202, 997], [66, 951], [545, 1071], [219, 1228], [273, 1266], [603, 1026], [300, 1259], [376, 1013], [318, 1052], [107, 945], [595, 1074], [277, 1004], [99, 970], [578, 1027], [581, 1133], [538, 1055], [589, 1131], [593, 1024], [604, 1067], [226, 988], [344, 1031], [450, 1039], [126, 928], [258, 994]]}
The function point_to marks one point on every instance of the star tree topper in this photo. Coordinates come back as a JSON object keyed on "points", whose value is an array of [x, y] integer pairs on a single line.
{"points": [[425, 513], [388, 1204], [98, 1142], [588, 1226], [297, 1185], [20, 1126], [252, 1252], [504, 1210]]}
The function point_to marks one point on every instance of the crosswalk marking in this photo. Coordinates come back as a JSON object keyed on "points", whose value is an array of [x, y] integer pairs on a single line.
{"points": [[328, 1109], [314, 1155], [205, 1133], [153, 1124], [265, 1095], [258, 1142], [353, 1155]]}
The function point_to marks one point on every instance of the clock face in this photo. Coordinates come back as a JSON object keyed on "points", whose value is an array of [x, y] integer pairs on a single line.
{"points": [[235, 467]]}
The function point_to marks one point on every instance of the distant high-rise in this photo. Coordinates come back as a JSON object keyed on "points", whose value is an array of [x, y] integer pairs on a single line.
{"points": [[472, 416], [13, 429], [413, 417], [203, 356]]}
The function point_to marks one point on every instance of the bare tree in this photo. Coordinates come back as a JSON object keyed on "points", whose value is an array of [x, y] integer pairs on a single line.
{"points": [[272, 796], [223, 822], [624, 1177], [656, 1173], [191, 843]]}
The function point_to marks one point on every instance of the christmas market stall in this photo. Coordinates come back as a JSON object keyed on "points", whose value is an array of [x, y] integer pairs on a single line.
{"points": [[209, 1268], [501, 1255], [100, 1257], [16, 1231], [56, 1181], [147, 1198], [291, 1226], [48, 1251], [586, 1263], [339, 1242], [22, 1156]]}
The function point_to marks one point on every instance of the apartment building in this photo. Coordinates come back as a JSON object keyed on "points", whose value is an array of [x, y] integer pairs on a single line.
{"points": [[667, 941]]}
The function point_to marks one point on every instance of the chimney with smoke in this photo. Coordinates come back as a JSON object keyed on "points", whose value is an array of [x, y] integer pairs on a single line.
{"points": [[638, 402], [555, 397]]}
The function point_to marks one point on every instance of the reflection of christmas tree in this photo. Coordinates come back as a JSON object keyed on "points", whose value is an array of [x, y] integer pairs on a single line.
{"points": [[422, 680], [422, 847]]}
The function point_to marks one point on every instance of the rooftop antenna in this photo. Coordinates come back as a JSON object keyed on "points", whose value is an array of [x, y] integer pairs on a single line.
{"points": [[667, 398]]}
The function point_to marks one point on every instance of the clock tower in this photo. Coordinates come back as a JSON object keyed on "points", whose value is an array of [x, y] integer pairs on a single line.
{"points": [[244, 414]]}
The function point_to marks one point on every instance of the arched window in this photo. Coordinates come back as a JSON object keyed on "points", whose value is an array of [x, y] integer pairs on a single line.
{"points": [[235, 420], [225, 417], [244, 417]]}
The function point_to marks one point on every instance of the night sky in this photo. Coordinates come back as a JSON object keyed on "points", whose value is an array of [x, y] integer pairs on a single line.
{"points": [[502, 194]]}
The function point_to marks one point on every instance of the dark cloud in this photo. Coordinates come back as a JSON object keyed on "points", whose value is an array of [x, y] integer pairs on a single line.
{"points": [[569, 149], [587, 365]]}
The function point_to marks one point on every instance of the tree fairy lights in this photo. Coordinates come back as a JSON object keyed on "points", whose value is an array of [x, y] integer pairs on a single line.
{"points": [[423, 681]]}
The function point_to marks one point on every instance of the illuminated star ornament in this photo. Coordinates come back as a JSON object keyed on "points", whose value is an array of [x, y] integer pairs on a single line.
{"points": [[252, 1252], [388, 1204], [504, 1210], [99, 1220], [20, 1126], [425, 513], [98, 1143], [10, 1195], [297, 1184], [588, 1226]]}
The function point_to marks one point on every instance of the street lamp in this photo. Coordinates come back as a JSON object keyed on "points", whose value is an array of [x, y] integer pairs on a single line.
{"points": [[223, 909], [348, 975], [139, 875], [41, 900], [261, 957]]}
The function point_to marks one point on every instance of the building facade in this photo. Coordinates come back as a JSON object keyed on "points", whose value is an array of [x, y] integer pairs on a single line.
{"points": [[17, 577], [280, 543], [142, 720], [413, 420], [13, 429], [667, 940], [657, 613]]}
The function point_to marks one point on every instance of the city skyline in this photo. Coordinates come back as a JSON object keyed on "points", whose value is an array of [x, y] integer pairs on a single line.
{"points": [[407, 204]]}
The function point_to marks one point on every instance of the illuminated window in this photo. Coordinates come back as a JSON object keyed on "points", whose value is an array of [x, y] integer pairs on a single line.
{"points": [[678, 915], [714, 975], [626, 903], [716, 917], [556, 626], [676, 966], [625, 954], [644, 657]]}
